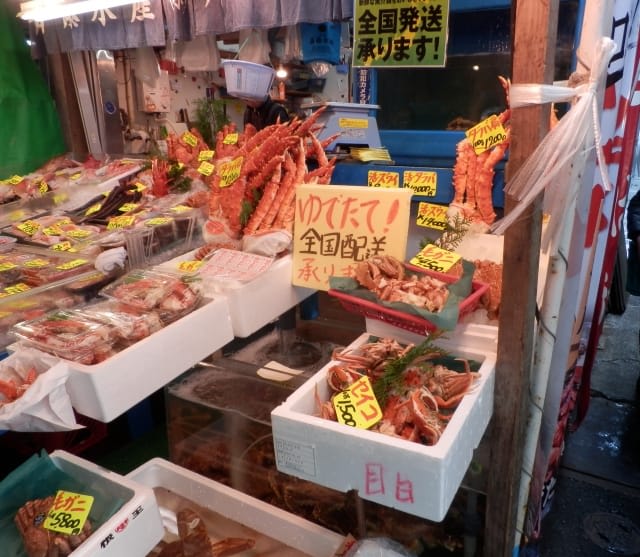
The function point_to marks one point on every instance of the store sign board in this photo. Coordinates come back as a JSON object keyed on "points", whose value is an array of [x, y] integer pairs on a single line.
{"points": [[337, 227], [400, 33]]}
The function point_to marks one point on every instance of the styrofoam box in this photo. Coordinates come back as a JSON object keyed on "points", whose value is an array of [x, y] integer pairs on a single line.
{"points": [[414, 478], [106, 390], [137, 526], [291, 530], [263, 299]]}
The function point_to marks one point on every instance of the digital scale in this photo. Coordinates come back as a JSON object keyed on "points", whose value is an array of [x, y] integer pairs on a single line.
{"points": [[354, 122]]}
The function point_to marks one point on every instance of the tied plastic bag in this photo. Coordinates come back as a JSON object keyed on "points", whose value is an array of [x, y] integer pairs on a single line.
{"points": [[146, 67], [269, 243], [45, 404], [199, 55], [254, 46]]}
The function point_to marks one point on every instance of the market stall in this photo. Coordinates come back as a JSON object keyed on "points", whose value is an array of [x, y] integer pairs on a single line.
{"points": [[210, 233]]}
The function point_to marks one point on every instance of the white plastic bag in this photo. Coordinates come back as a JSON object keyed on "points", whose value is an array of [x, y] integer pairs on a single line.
{"points": [[146, 67], [254, 46], [199, 55]]}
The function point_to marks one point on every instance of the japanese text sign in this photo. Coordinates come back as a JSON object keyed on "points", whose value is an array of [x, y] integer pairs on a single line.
{"points": [[486, 134], [422, 182], [337, 227], [383, 179], [400, 33], [68, 512], [431, 215], [357, 406], [436, 259]]}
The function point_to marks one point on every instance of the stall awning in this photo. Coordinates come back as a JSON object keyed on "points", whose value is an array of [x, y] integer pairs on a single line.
{"points": [[154, 22]]}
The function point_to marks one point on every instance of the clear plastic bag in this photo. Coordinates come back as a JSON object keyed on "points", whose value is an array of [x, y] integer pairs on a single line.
{"points": [[254, 46]]}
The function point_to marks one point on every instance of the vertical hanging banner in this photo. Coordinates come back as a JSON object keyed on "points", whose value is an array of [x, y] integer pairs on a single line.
{"points": [[337, 227], [400, 33]]}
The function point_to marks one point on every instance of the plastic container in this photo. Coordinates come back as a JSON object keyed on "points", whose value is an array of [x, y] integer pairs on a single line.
{"points": [[67, 334], [247, 80], [230, 513], [405, 475], [218, 425], [134, 529]]}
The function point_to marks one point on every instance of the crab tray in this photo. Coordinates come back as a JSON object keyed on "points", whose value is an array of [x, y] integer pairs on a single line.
{"points": [[410, 322], [418, 479]]}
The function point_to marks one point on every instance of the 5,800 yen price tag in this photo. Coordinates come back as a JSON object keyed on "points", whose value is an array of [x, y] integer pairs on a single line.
{"points": [[68, 513], [357, 406]]}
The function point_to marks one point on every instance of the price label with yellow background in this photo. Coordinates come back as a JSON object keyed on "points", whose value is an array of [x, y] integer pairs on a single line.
{"points": [[357, 406], [68, 513], [436, 259], [431, 215], [383, 179], [422, 182], [486, 135]]}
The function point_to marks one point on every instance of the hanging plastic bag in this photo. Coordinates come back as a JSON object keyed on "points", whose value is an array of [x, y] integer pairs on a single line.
{"points": [[254, 46], [292, 44], [199, 55], [146, 67]]}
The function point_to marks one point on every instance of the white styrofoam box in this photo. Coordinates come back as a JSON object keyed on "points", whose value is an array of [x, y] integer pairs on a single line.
{"points": [[291, 530], [137, 526], [106, 390], [414, 478], [263, 299]]}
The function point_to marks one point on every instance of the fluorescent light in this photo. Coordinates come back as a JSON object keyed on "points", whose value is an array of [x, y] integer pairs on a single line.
{"points": [[45, 10]]}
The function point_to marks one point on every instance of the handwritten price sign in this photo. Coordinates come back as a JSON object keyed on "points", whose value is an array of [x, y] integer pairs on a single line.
{"points": [[71, 264], [383, 179], [422, 182], [29, 227], [357, 406], [431, 215], [189, 139], [68, 513], [206, 155], [230, 172], [434, 258], [230, 139], [206, 168], [486, 134]]}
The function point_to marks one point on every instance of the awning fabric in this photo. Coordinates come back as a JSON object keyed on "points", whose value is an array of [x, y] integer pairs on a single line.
{"points": [[154, 22]]}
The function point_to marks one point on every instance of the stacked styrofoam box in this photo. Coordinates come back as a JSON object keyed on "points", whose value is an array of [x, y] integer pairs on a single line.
{"points": [[106, 390], [292, 531], [414, 478], [134, 529]]}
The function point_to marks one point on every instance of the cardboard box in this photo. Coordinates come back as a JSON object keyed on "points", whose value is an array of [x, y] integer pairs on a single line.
{"points": [[106, 390], [414, 478], [293, 536], [137, 526]]}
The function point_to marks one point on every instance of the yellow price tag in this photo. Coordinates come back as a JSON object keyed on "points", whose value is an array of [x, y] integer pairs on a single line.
{"points": [[486, 134], [71, 264], [29, 227], [17, 288], [76, 176], [53, 230], [230, 171], [434, 258], [357, 406], [37, 263], [126, 207], [61, 246], [181, 208], [189, 139], [139, 186], [206, 155], [155, 221], [93, 209], [121, 222], [79, 233], [60, 198], [360, 123], [206, 168], [383, 179], [43, 187], [7, 266], [431, 215], [15, 180], [189, 266], [68, 513], [230, 139], [17, 215], [422, 182]]}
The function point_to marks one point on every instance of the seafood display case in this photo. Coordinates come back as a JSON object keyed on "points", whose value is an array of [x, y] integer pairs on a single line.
{"points": [[418, 479]]}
